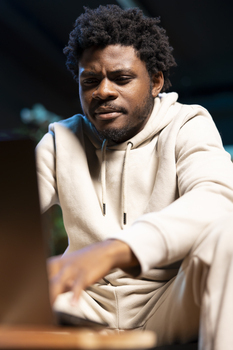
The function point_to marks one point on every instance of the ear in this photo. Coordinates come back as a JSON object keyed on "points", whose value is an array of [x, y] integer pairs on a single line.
{"points": [[157, 83]]}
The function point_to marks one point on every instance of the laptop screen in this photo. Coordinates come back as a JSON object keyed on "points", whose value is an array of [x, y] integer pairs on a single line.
{"points": [[24, 297]]}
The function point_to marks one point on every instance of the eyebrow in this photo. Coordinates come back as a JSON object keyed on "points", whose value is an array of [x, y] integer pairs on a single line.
{"points": [[123, 71], [89, 73]]}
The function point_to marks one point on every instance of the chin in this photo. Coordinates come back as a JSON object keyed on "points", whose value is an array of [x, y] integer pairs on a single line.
{"points": [[114, 134]]}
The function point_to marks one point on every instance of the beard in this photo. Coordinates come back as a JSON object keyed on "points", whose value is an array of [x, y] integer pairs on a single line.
{"points": [[130, 129], [114, 134]]}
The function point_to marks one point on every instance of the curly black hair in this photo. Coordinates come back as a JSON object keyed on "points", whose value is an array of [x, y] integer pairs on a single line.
{"points": [[110, 25]]}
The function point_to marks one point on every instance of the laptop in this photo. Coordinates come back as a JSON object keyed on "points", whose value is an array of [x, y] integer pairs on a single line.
{"points": [[24, 291]]}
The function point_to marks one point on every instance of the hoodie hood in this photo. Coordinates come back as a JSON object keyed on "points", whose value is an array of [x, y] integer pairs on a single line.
{"points": [[162, 114]]}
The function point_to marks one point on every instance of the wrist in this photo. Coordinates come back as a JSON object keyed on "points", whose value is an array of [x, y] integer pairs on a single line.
{"points": [[120, 254]]}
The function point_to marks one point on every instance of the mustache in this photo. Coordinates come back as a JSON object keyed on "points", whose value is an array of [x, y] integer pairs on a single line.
{"points": [[109, 107]]}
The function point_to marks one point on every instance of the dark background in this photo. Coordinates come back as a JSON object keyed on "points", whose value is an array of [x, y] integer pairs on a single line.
{"points": [[32, 65]]}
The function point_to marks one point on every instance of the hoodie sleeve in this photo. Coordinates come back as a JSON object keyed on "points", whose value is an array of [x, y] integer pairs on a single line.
{"points": [[46, 171], [205, 186]]}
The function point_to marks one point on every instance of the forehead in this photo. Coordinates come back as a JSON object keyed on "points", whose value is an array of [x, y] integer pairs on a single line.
{"points": [[112, 57]]}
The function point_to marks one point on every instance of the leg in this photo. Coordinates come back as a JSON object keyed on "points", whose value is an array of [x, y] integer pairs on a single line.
{"points": [[99, 307], [175, 317], [216, 330], [203, 289]]}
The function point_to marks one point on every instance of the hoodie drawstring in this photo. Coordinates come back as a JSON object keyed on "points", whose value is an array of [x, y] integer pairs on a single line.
{"points": [[103, 175], [124, 180]]}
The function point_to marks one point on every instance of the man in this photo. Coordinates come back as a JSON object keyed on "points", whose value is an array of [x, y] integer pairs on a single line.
{"points": [[145, 187]]}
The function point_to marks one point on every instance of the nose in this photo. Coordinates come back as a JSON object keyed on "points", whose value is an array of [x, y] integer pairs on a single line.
{"points": [[105, 91]]}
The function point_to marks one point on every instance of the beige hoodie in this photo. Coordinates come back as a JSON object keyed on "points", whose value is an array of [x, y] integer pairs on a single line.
{"points": [[171, 181]]}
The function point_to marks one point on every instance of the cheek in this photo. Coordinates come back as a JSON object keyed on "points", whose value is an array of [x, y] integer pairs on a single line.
{"points": [[137, 98], [132, 95], [139, 91], [84, 99]]}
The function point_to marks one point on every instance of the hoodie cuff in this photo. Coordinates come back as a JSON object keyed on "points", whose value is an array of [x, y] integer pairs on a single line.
{"points": [[147, 244]]}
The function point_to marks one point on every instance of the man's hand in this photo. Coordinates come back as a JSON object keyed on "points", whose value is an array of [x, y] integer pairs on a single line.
{"points": [[78, 270]]}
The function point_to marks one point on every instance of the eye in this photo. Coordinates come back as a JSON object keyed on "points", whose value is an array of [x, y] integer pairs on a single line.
{"points": [[123, 79], [90, 81]]}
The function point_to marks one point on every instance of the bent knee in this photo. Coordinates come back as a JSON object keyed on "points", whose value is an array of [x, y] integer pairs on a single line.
{"points": [[217, 238]]}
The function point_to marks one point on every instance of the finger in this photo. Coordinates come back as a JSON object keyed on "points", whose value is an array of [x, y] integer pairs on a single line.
{"points": [[60, 283], [53, 265], [54, 291], [79, 284]]}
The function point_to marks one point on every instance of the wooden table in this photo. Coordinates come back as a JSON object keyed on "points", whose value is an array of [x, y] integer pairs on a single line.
{"points": [[72, 338]]}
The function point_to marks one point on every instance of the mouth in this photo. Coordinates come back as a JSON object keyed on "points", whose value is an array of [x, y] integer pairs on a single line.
{"points": [[107, 116], [106, 113]]}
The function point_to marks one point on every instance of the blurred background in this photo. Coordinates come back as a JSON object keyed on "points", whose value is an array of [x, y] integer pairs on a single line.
{"points": [[33, 75], [36, 88]]}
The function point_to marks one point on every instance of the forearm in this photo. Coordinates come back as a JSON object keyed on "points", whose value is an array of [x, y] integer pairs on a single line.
{"points": [[78, 270], [120, 254]]}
